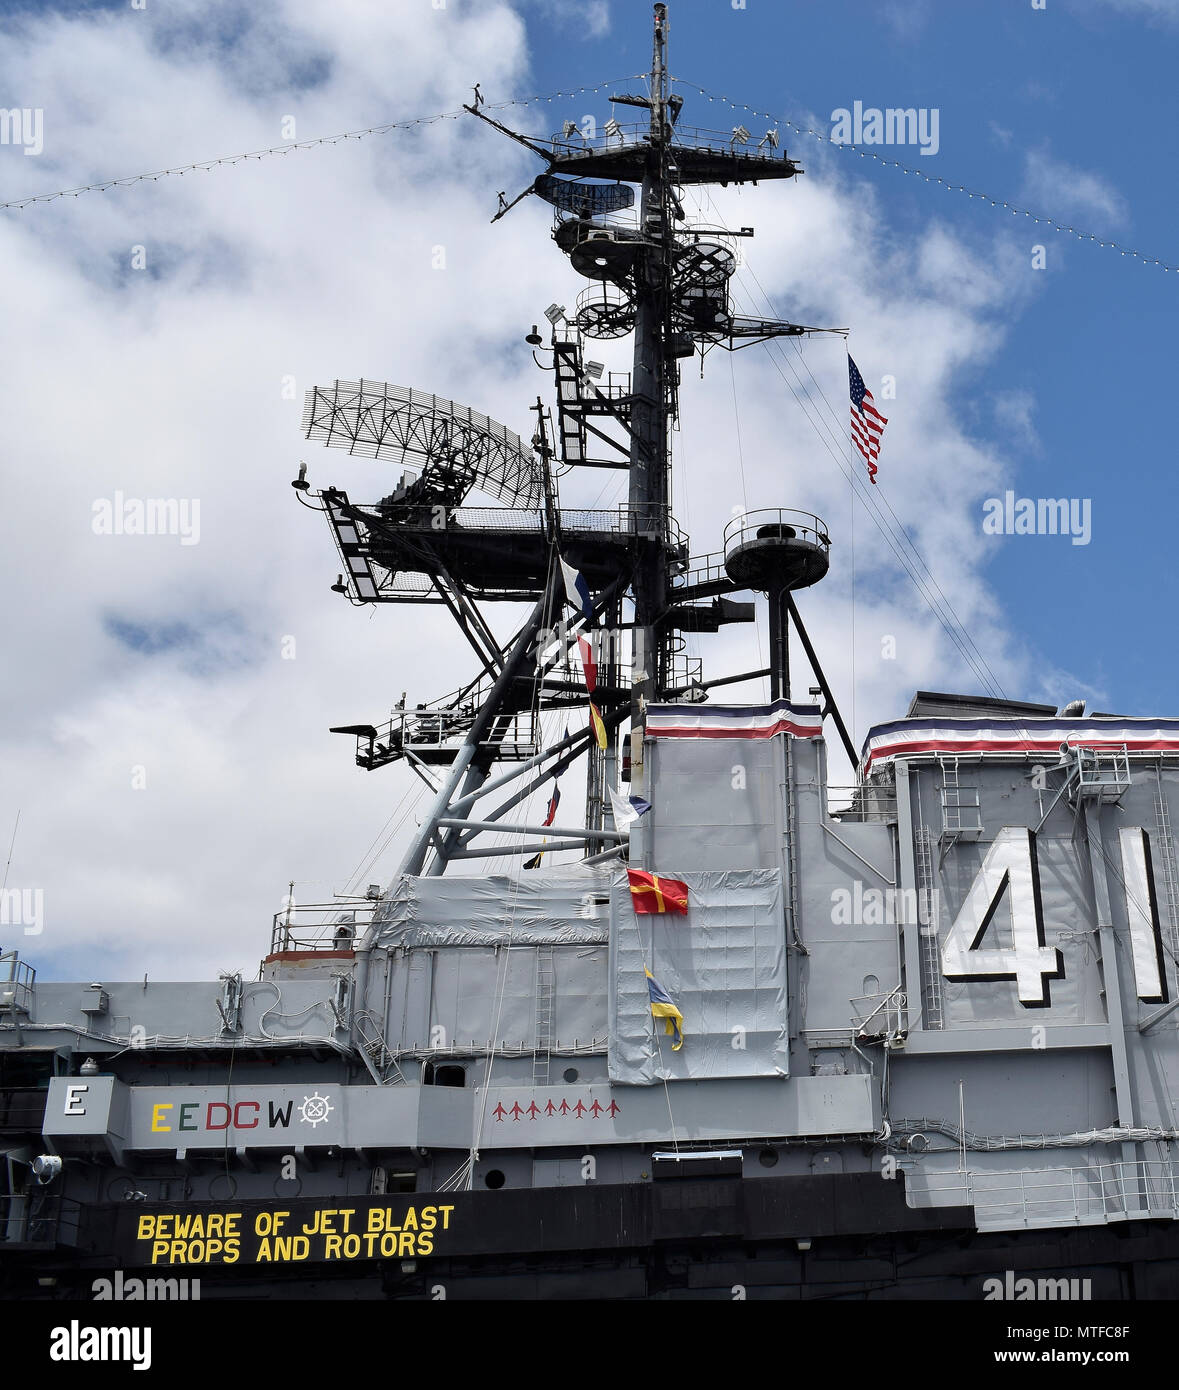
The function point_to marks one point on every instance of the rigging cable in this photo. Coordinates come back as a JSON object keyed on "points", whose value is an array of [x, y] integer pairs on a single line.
{"points": [[206, 165], [1079, 233], [744, 496], [894, 534]]}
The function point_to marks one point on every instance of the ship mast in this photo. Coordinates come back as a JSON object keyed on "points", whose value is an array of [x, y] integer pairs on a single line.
{"points": [[652, 387], [667, 283]]}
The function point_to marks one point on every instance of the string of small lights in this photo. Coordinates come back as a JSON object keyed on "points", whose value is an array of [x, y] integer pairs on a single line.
{"points": [[1038, 218], [205, 165]]}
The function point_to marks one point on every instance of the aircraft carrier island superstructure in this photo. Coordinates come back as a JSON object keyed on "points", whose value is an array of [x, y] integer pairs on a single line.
{"points": [[731, 1029]]}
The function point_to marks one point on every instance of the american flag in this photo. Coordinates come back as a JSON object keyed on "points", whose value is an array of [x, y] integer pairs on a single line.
{"points": [[867, 423]]}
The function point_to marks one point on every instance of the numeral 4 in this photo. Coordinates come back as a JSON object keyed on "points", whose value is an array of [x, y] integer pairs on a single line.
{"points": [[1009, 868]]}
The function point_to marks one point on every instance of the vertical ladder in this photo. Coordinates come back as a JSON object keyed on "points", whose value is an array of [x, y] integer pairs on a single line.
{"points": [[543, 1047], [1166, 843], [931, 963], [961, 806], [951, 797]]}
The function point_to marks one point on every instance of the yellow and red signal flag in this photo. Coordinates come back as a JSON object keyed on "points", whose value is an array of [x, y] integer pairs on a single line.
{"points": [[598, 727], [588, 665], [651, 893]]}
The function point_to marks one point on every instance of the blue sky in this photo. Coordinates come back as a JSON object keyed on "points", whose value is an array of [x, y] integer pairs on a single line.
{"points": [[1088, 85], [184, 380]]}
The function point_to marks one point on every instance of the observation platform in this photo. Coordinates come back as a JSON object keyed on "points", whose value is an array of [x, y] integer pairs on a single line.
{"points": [[494, 553]]}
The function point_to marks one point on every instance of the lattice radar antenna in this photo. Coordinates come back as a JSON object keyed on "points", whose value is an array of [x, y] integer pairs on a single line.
{"points": [[584, 199], [452, 447]]}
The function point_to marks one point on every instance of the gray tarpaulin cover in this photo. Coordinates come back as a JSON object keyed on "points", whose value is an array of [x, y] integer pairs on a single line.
{"points": [[724, 965], [565, 906]]}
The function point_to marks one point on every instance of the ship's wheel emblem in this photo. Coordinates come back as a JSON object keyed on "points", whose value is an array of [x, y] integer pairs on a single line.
{"points": [[315, 1109]]}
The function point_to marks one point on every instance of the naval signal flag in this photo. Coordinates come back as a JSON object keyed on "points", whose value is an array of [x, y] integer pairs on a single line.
{"points": [[577, 591], [662, 1007], [627, 809], [588, 665], [652, 893], [549, 816], [867, 423], [599, 729]]}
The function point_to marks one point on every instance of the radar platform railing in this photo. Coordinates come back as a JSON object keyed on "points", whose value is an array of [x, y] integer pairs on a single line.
{"points": [[750, 526]]}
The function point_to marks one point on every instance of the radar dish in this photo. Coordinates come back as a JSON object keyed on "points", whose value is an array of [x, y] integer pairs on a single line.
{"points": [[585, 199], [707, 262], [603, 311], [454, 447]]}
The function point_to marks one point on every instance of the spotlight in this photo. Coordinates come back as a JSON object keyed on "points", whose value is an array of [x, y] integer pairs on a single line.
{"points": [[740, 136], [555, 313], [45, 1168]]}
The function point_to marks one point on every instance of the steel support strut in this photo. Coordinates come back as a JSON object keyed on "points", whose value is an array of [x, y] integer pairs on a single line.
{"points": [[464, 763]]}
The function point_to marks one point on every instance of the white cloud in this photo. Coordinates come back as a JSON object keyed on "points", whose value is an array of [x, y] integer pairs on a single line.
{"points": [[587, 18], [1014, 414], [130, 652], [1056, 189]]}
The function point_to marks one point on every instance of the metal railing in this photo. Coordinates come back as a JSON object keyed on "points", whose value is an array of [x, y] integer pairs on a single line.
{"points": [[594, 521], [1100, 773], [17, 978], [889, 1016], [786, 523], [862, 803], [336, 926], [22, 1109], [1010, 1199], [40, 1218], [630, 133], [703, 569]]}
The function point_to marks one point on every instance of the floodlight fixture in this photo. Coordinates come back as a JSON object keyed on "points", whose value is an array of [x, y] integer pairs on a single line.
{"points": [[45, 1168]]}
